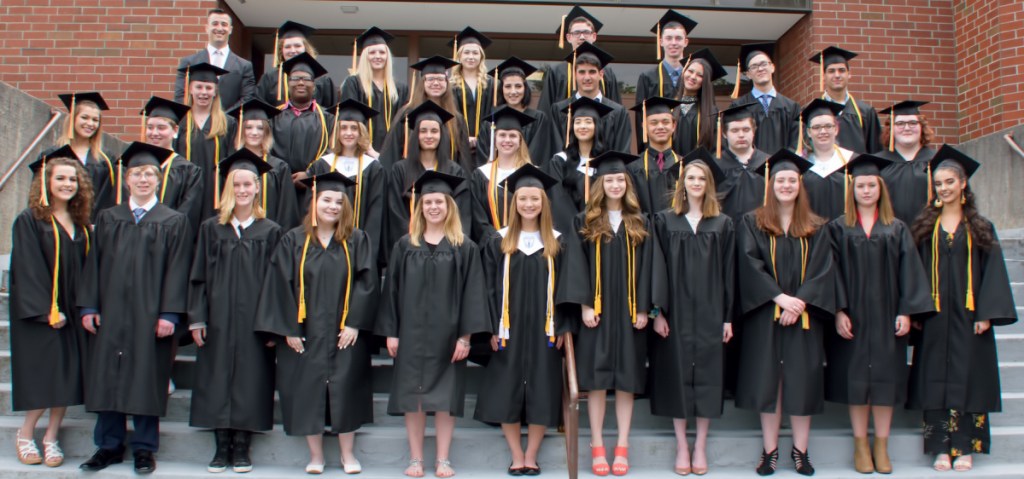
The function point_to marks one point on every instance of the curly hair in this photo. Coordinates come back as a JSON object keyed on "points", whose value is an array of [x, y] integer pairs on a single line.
{"points": [[596, 226], [981, 229], [80, 206], [927, 132]]}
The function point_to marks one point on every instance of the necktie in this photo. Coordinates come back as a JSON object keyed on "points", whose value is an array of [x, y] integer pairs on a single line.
{"points": [[218, 58], [138, 213], [661, 161], [765, 100]]}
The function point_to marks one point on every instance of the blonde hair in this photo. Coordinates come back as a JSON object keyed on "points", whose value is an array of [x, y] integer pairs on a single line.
{"points": [[481, 76], [96, 141], [343, 229], [362, 144], [364, 73], [884, 205], [218, 120], [522, 154], [596, 226], [710, 206], [305, 43], [227, 198], [452, 223], [268, 136], [510, 243]]}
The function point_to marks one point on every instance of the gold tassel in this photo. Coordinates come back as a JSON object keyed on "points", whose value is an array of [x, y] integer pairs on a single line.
{"points": [[348, 285], [643, 111], [412, 207], [355, 55], [216, 175], [142, 131], [800, 137], [241, 125], [821, 68], [120, 180], [687, 64], [405, 144], [280, 83], [455, 48], [188, 134], [54, 316], [312, 205], [570, 78], [930, 191], [495, 88], [43, 194], [935, 267], [302, 279], [657, 42], [597, 277], [718, 143], [188, 87], [334, 127], [568, 125], [970, 269], [71, 119], [736, 89], [561, 33], [277, 46], [767, 171]]}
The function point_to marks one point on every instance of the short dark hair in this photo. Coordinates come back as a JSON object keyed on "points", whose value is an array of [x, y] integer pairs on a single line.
{"points": [[589, 59], [216, 11]]}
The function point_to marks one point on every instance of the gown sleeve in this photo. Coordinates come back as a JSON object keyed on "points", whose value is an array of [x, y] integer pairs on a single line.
{"points": [[493, 261], [993, 298], [363, 297], [389, 315], [174, 293], [756, 282], [474, 312], [31, 273], [198, 302], [915, 298], [819, 287], [278, 308]]}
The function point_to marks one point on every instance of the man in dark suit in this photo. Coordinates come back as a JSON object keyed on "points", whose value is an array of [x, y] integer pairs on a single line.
{"points": [[239, 84]]}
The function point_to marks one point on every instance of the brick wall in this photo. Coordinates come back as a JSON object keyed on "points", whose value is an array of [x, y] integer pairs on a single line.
{"points": [[897, 40], [126, 49]]}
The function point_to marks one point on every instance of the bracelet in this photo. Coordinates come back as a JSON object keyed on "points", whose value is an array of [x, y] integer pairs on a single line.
{"points": [[463, 342]]}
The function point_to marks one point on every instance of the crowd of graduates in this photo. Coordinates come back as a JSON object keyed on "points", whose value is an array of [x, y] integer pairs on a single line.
{"points": [[776, 255]]}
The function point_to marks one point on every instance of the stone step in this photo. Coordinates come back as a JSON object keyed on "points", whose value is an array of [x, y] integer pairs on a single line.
{"points": [[1015, 268], [1010, 346], [1017, 288], [1013, 248]]}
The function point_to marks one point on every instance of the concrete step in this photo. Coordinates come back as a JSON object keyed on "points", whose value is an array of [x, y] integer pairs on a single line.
{"points": [[1013, 248], [1010, 346], [1017, 288], [1015, 268]]}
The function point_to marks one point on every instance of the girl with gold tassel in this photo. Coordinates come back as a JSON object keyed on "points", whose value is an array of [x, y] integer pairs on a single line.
{"points": [[785, 273], [471, 87], [371, 81], [233, 393], [83, 130], [493, 197], [908, 136], [291, 39], [826, 183], [318, 298], [532, 276], [50, 243], [954, 376], [611, 351], [181, 181], [696, 125]]}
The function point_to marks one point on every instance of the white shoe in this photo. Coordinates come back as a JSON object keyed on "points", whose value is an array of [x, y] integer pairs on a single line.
{"points": [[353, 467], [314, 468]]}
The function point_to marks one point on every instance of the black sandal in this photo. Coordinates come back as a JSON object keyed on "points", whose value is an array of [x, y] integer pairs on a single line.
{"points": [[515, 471], [802, 462], [768, 463]]}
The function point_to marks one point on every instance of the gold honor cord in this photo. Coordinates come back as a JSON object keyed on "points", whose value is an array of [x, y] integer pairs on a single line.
{"points": [[856, 109], [54, 316], [216, 175], [302, 279], [969, 299], [348, 285], [324, 136], [492, 195], [266, 190], [167, 174], [465, 110], [661, 80], [804, 317], [630, 282], [505, 327]]}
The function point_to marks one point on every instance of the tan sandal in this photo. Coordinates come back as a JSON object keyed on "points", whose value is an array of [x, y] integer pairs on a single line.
{"points": [[443, 468], [53, 455], [415, 468], [963, 463], [28, 452], [942, 463]]}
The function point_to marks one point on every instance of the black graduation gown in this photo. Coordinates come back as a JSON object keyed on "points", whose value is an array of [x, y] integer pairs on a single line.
{"points": [[771, 352], [615, 132], [392, 149], [953, 368], [234, 384], [46, 363], [325, 92], [613, 355], [877, 278], [323, 379], [779, 128], [523, 382], [742, 191], [279, 194], [103, 174], [556, 77], [400, 180], [373, 193], [483, 223], [694, 281], [648, 85], [860, 135], [567, 197], [297, 139], [655, 188], [182, 191], [351, 88], [432, 296], [204, 154], [685, 138], [485, 98], [907, 182], [828, 194], [540, 136], [135, 273]]}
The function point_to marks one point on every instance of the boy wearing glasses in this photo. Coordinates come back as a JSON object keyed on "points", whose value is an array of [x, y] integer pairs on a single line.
{"points": [[776, 116], [302, 131], [578, 27]]}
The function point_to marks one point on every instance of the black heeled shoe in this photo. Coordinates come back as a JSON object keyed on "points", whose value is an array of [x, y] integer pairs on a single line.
{"points": [[802, 462], [768, 463]]}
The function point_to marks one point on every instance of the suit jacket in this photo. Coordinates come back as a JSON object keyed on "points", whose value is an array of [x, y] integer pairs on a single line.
{"points": [[236, 87]]}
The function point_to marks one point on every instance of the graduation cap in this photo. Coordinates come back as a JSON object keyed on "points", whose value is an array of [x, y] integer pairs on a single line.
{"points": [[353, 110], [733, 113], [784, 160], [602, 57], [244, 159], [668, 20], [290, 29], [814, 109], [373, 36], [508, 118], [202, 72], [527, 176], [141, 154], [332, 181], [254, 109], [829, 56], [583, 107], [867, 165], [434, 65], [573, 15], [304, 62], [748, 52], [428, 110], [69, 100], [432, 181], [702, 155], [611, 162], [654, 106], [717, 70], [906, 107], [513, 65], [468, 35], [162, 108], [62, 152], [948, 153]]}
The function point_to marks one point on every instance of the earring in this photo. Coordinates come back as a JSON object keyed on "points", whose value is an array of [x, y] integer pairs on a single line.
{"points": [[937, 203], [963, 198], [684, 195]]}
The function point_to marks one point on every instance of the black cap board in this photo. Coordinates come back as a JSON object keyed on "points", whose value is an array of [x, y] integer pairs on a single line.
{"points": [[818, 107], [906, 107], [244, 159], [304, 62], [738, 112], [948, 153], [867, 165], [508, 118], [92, 96], [530, 176], [673, 16], [513, 65], [832, 55], [434, 65], [373, 36], [203, 72], [254, 109], [656, 105], [611, 162], [586, 48], [353, 110], [436, 182], [588, 107], [332, 181], [290, 29], [575, 13], [717, 70], [164, 108], [62, 152], [750, 50], [142, 154], [470, 35], [785, 160], [428, 110], [702, 155]]}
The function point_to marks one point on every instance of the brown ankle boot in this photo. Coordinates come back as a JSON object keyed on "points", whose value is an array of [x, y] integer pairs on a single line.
{"points": [[862, 456], [881, 455]]}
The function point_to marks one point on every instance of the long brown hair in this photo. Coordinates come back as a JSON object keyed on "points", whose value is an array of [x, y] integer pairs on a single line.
{"points": [[510, 243], [709, 205], [343, 229], [596, 226], [804, 222], [418, 95], [80, 206], [705, 103], [452, 223], [884, 205], [981, 229], [96, 141]]}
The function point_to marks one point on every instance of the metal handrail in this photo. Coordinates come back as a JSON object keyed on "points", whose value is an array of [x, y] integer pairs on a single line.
{"points": [[1013, 144], [35, 142], [571, 408]]}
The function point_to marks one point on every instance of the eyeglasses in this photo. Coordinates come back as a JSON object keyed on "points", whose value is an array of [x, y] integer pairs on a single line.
{"points": [[907, 124], [580, 33], [300, 80], [759, 66], [149, 175], [436, 79], [828, 127]]}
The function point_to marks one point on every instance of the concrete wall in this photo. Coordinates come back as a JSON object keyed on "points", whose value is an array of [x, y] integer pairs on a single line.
{"points": [[999, 183]]}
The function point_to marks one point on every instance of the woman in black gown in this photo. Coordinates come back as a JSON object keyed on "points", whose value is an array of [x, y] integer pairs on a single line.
{"points": [[910, 138], [83, 130], [697, 113], [514, 91], [374, 73]]}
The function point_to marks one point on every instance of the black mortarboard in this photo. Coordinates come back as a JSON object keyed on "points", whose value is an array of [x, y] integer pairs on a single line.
{"points": [[867, 165], [785, 160], [512, 64], [530, 176], [575, 13], [588, 107], [304, 62], [434, 65], [832, 55], [291, 29], [95, 97], [508, 118], [244, 159], [750, 50], [332, 181], [254, 109], [736, 113], [469, 35], [164, 108], [818, 107], [203, 72], [673, 16], [373, 36], [432, 181], [717, 70], [586, 48], [948, 153], [907, 107], [353, 110], [428, 110], [656, 105], [703, 155], [611, 162], [62, 152], [142, 154]]}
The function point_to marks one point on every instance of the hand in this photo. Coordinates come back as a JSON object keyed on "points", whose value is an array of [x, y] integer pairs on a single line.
{"points": [[661, 325], [788, 318], [271, 344], [373, 153], [495, 341], [844, 326], [347, 337], [199, 336], [91, 322], [461, 349], [902, 325], [559, 341], [726, 332], [981, 326], [790, 303], [60, 324], [297, 178], [641, 320], [590, 319], [164, 328], [296, 344], [392, 347]]}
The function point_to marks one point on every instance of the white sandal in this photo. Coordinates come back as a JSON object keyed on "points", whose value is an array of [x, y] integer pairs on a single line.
{"points": [[53, 455], [28, 452], [353, 467]]}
